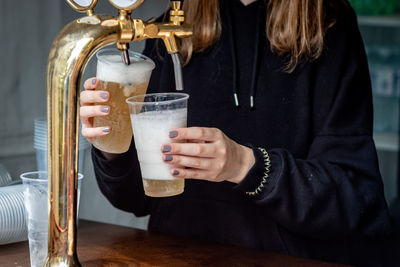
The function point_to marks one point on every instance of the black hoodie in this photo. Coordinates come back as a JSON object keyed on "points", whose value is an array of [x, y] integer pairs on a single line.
{"points": [[324, 197]]}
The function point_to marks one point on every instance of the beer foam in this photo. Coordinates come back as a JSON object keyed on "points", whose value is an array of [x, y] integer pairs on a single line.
{"points": [[111, 68], [150, 132]]}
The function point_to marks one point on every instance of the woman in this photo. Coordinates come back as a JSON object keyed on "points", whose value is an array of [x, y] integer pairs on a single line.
{"points": [[283, 85]]}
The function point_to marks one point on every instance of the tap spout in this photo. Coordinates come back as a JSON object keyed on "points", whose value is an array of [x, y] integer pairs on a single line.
{"points": [[125, 57], [70, 52], [169, 33]]}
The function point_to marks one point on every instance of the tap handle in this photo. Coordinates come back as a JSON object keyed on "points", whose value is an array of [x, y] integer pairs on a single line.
{"points": [[177, 4], [176, 14], [83, 5]]}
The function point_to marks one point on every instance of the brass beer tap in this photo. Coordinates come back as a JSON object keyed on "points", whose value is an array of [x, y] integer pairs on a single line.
{"points": [[69, 54]]}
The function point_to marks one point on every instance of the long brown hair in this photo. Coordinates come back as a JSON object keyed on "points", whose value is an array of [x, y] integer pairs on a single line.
{"points": [[294, 27]]}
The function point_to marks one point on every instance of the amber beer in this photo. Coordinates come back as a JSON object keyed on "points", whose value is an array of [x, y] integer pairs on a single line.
{"points": [[121, 81]]}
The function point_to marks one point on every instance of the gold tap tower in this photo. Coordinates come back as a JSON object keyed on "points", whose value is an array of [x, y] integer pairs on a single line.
{"points": [[69, 54]]}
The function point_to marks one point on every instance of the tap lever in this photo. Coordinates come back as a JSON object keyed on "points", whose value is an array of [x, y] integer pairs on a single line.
{"points": [[176, 4], [176, 14], [124, 48]]}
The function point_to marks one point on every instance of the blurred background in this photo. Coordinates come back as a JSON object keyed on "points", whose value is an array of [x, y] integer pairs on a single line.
{"points": [[29, 27], [379, 22]]}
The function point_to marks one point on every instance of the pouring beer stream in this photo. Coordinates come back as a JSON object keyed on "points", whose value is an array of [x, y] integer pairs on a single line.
{"points": [[69, 55]]}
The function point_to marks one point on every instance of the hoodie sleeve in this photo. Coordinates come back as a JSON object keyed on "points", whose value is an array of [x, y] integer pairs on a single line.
{"points": [[120, 179], [336, 189]]}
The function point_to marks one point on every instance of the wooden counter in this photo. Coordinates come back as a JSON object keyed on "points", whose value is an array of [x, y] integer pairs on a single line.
{"points": [[109, 245]]}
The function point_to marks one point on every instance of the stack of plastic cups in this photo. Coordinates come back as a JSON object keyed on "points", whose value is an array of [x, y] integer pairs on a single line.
{"points": [[40, 144], [5, 177], [12, 215]]}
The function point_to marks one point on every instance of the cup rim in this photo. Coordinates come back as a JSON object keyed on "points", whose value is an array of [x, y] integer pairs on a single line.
{"points": [[184, 96], [132, 54], [23, 178]]}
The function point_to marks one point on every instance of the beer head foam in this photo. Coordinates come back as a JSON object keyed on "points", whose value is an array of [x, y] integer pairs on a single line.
{"points": [[111, 68], [150, 132]]}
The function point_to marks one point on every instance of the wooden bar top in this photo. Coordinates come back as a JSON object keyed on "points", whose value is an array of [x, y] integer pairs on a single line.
{"points": [[110, 245]]}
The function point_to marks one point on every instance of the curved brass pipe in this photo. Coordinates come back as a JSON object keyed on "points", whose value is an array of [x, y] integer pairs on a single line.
{"points": [[69, 54]]}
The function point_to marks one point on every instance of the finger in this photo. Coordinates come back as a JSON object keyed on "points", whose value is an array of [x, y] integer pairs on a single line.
{"points": [[192, 162], [191, 149], [94, 132], [199, 133], [89, 97], [93, 111], [191, 173], [87, 122], [91, 83]]}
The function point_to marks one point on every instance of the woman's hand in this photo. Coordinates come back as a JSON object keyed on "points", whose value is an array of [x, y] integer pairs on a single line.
{"points": [[90, 108], [209, 155]]}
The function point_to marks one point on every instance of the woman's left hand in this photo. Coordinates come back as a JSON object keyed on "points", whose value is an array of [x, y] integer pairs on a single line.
{"points": [[208, 154]]}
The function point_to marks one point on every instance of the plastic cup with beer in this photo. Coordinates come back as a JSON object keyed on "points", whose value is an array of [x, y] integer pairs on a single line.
{"points": [[121, 81], [152, 117]]}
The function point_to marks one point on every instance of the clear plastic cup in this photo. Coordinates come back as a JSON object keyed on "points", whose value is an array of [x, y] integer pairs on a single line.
{"points": [[121, 81], [40, 145], [36, 206], [152, 117]]}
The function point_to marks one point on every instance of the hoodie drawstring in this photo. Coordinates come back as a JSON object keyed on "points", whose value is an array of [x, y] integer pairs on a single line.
{"points": [[255, 60], [233, 54], [232, 40]]}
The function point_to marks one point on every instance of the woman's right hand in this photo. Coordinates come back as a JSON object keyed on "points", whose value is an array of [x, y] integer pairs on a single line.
{"points": [[90, 108]]}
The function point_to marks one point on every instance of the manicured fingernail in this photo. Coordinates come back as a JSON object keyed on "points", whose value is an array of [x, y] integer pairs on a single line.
{"points": [[173, 134], [175, 172], [105, 109], [94, 81], [168, 158], [166, 148], [106, 129], [104, 95]]}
